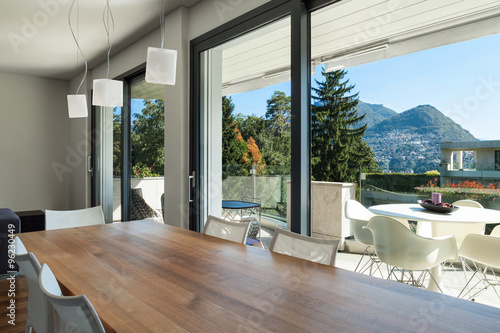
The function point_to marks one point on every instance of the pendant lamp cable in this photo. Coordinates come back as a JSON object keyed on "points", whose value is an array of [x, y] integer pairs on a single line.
{"points": [[75, 37], [110, 29], [161, 10]]}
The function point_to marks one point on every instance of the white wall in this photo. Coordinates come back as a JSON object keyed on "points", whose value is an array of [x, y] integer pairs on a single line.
{"points": [[34, 129]]}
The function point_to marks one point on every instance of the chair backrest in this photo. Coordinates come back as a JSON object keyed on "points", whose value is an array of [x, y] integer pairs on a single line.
{"points": [[233, 231], [481, 248], [460, 230], [467, 203], [359, 216], [495, 231], [60, 219], [323, 251], [40, 313], [76, 313], [398, 246]]}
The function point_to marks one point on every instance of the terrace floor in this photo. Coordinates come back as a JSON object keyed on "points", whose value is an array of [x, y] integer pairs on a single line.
{"points": [[453, 275]]}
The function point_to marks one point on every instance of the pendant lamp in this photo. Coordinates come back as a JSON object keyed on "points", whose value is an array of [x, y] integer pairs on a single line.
{"points": [[107, 92], [77, 104], [161, 63]]}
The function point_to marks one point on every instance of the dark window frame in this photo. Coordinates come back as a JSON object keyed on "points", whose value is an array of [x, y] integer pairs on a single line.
{"points": [[299, 12]]}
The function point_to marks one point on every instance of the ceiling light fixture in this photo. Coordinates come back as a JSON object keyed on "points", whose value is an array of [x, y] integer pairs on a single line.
{"points": [[108, 92], [161, 63], [77, 104]]}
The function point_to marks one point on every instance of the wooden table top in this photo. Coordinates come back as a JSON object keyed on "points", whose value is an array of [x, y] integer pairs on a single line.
{"points": [[151, 277]]}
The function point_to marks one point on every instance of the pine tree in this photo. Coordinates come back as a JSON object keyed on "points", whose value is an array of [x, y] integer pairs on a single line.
{"points": [[338, 151], [278, 112]]}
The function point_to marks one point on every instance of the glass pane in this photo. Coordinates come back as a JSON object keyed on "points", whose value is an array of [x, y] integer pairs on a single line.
{"points": [[147, 151], [246, 136], [117, 164], [403, 99]]}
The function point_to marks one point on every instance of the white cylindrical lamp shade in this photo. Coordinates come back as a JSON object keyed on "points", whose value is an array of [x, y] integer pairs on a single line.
{"points": [[161, 66], [77, 106], [108, 93]]}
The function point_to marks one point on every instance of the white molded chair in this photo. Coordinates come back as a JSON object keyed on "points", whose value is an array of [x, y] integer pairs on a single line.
{"points": [[495, 231], [76, 313], [40, 312], [400, 247], [484, 252], [233, 231], [459, 230], [359, 216], [60, 219], [323, 251]]}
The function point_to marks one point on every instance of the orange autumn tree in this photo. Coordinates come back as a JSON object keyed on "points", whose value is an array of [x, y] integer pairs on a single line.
{"points": [[255, 156]]}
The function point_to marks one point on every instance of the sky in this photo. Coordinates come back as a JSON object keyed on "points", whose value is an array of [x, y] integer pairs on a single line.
{"points": [[461, 80]]}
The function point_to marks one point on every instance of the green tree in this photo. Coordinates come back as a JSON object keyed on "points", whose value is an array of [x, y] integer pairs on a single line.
{"points": [[338, 151], [278, 112], [234, 146], [148, 132], [117, 147]]}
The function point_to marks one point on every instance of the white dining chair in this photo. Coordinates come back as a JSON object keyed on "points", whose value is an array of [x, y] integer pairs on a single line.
{"points": [[76, 313], [401, 248], [323, 251], [359, 216], [459, 230], [220, 228], [59, 219], [495, 231], [484, 252], [40, 313]]}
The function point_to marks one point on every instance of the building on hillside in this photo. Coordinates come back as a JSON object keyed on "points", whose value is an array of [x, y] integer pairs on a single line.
{"points": [[474, 160]]}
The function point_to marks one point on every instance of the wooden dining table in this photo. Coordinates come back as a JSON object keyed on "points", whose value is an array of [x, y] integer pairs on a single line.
{"points": [[151, 277]]}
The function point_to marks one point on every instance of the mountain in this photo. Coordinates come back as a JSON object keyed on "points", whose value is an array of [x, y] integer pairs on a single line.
{"points": [[409, 141], [375, 113], [424, 120]]}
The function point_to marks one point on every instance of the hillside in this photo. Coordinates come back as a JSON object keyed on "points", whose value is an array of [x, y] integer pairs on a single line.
{"points": [[409, 141], [375, 113], [423, 119]]}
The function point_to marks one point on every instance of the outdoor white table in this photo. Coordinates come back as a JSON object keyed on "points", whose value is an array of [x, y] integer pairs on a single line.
{"points": [[417, 213]]}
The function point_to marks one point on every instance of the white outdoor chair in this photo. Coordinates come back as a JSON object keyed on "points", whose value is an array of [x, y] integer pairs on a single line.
{"points": [[401, 248], [233, 231], [459, 230], [60, 219], [484, 252], [323, 251], [359, 216], [495, 231], [76, 313], [40, 313]]}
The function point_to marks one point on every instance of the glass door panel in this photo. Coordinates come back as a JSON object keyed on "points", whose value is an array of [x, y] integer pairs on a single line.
{"points": [[245, 132], [147, 150]]}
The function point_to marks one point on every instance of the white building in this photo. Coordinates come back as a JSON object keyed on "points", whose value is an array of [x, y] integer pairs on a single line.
{"points": [[485, 166]]}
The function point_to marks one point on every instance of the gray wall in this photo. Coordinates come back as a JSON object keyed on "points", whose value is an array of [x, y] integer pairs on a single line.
{"points": [[34, 132]]}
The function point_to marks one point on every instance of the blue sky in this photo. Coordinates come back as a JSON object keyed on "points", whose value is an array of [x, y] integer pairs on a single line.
{"points": [[461, 80]]}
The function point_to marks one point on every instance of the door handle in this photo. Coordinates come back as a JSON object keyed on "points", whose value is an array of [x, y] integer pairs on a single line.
{"points": [[191, 185]]}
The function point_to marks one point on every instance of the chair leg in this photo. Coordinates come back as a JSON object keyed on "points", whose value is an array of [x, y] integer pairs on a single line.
{"points": [[28, 327], [360, 260]]}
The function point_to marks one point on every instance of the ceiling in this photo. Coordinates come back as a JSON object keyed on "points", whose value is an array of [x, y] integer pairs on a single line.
{"points": [[35, 38], [352, 32]]}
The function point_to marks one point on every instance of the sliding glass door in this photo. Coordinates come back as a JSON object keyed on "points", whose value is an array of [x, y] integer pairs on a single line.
{"points": [[128, 153]]}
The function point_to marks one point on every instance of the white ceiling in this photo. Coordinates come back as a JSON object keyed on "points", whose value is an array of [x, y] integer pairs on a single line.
{"points": [[342, 34], [36, 39]]}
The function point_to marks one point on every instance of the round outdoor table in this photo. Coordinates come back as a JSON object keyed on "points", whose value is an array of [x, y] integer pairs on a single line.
{"points": [[415, 212], [232, 207], [418, 213]]}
